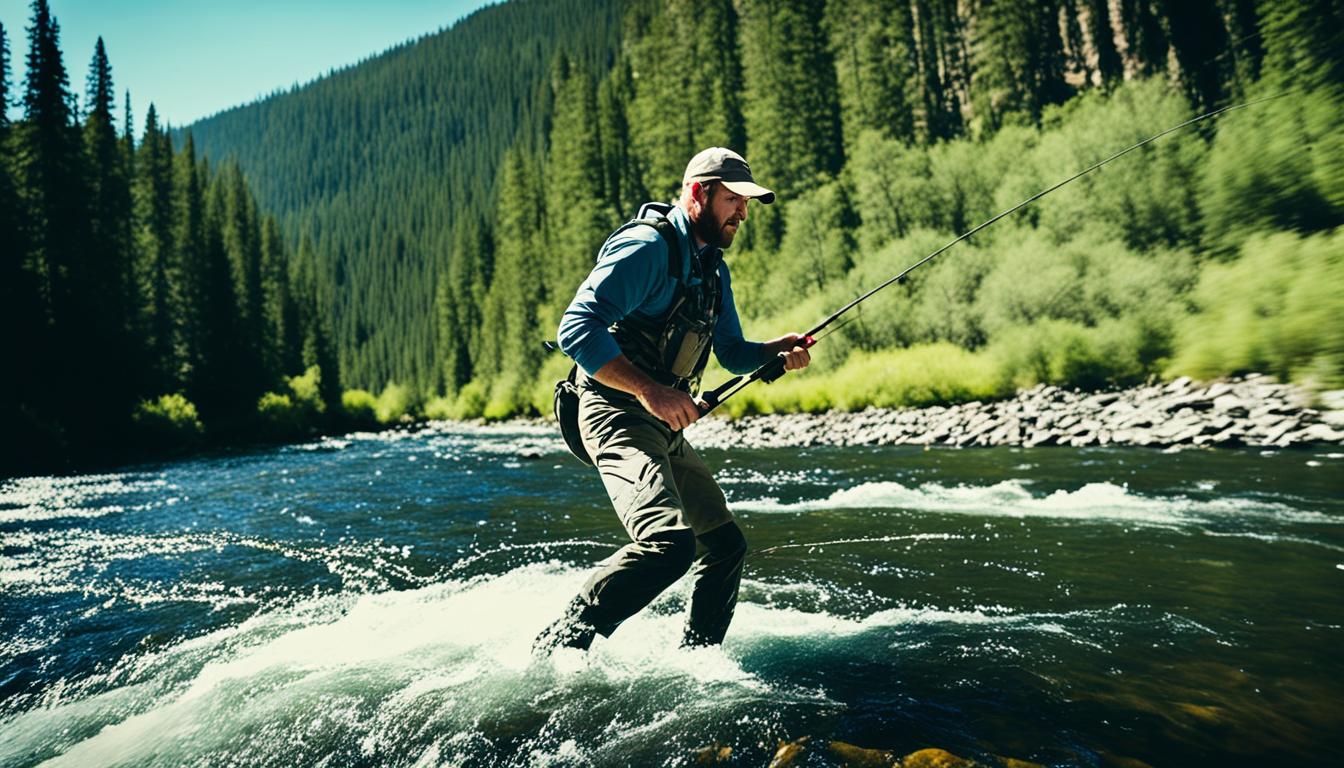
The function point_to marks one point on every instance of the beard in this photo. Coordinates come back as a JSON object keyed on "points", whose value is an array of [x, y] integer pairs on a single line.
{"points": [[714, 231]]}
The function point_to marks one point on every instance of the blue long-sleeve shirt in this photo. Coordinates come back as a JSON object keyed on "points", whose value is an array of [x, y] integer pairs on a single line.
{"points": [[631, 278]]}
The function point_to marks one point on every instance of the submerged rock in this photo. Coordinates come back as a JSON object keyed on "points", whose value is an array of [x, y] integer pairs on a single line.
{"points": [[714, 754], [936, 758], [858, 757], [789, 752]]}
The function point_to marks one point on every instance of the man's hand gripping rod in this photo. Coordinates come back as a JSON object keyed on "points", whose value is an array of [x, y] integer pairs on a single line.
{"points": [[774, 369]]}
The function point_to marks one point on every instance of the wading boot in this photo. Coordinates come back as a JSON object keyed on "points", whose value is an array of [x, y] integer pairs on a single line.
{"points": [[571, 630]]}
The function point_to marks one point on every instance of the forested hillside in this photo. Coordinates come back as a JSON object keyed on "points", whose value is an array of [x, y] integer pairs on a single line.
{"points": [[378, 163], [145, 296], [886, 126]]}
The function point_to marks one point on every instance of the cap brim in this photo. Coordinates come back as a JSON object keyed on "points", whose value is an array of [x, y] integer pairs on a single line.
{"points": [[752, 190]]}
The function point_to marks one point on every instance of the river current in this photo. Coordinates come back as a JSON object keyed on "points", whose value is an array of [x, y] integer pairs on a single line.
{"points": [[371, 601]]}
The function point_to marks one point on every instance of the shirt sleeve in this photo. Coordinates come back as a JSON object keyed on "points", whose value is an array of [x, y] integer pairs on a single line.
{"points": [[734, 353], [627, 272]]}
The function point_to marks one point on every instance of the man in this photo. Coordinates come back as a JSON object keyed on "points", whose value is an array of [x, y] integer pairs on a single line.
{"points": [[640, 329]]}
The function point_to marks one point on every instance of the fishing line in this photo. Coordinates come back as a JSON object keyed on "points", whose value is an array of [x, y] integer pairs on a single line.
{"points": [[865, 540], [466, 561], [774, 369]]}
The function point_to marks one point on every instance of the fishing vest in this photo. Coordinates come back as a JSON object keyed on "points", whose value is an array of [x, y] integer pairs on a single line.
{"points": [[673, 347]]}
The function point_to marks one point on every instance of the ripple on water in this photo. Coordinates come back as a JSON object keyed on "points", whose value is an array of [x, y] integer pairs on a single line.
{"points": [[36, 499]]}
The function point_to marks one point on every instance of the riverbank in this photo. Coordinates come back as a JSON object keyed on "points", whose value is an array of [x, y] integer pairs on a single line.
{"points": [[1251, 411]]}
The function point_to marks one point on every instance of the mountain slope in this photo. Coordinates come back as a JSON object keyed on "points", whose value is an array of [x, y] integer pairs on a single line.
{"points": [[374, 162]]}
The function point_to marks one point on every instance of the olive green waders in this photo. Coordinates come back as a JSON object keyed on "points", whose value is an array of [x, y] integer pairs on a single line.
{"points": [[667, 499]]}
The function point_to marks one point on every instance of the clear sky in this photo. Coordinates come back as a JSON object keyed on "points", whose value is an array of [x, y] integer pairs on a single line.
{"points": [[193, 59]]}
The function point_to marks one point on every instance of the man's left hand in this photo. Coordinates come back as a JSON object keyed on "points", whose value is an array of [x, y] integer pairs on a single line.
{"points": [[789, 346]]}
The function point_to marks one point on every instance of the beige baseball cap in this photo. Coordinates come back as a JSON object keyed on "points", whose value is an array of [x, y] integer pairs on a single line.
{"points": [[725, 165]]}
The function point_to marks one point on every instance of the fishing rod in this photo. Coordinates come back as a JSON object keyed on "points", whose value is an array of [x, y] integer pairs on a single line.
{"points": [[774, 369]]}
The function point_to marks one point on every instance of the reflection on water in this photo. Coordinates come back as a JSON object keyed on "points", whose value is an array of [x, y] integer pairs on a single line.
{"points": [[372, 600]]}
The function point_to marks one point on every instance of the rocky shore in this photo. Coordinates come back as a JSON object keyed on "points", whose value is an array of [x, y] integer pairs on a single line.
{"points": [[1252, 411]]}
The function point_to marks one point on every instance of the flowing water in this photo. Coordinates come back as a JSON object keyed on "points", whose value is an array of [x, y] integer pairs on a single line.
{"points": [[372, 600]]}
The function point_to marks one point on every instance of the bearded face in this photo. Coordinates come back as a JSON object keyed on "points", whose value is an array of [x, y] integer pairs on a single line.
{"points": [[721, 214]]}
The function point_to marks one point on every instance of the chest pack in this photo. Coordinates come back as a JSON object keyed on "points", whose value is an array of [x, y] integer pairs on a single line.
{"points": [[673, 347]]}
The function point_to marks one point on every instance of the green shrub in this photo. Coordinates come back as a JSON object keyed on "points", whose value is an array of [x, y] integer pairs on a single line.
{"points": [[439, 408], [395, 403], [1276, 309], [280, 417], [307, 390], [1146, 199], [360, 407], [1062, 352], [1278, 165], [923, 375], [471, 401], [170, 421]]}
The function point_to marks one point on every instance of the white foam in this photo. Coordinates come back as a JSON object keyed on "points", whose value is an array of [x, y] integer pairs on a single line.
{"points": [[393, 673], [459, 650], [1011, 498]]}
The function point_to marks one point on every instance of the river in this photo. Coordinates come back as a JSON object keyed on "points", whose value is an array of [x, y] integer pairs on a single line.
{"points": [[371, 601]]}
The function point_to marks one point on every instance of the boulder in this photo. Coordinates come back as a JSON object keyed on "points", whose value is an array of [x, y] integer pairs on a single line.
{"points": [[1231, 405], [1320, 433], [857, 757], [789, 753]]}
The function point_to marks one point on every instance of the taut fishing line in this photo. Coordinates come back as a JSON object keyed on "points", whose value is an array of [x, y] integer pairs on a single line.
{"points": [[775, 368]]}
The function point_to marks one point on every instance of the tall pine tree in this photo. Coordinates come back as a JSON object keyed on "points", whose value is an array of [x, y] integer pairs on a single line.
{"points": [[1019, 60], [49, 175], [110, 292], [873, 42]]}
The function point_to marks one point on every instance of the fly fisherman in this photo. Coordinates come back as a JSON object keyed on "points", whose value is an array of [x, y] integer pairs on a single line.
{"points": [[640, 329]]}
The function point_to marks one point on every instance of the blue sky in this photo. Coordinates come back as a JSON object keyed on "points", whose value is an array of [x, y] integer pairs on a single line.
{"points": [[193, 59]]}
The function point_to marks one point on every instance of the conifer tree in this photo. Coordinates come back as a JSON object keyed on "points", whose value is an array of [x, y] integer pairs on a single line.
{"points": [[313, 317], [873, 43], [510, 323], [461, 295], [1146, 44], [158, 270], [241, 232], [48, 172], [220, 386], [792, 113], [938, 36], [621, 179], [688, 79], [1304, 41], [192, 249], [1019, 61], [109, 293], [15, 314], [578, 218], [282, 346]]}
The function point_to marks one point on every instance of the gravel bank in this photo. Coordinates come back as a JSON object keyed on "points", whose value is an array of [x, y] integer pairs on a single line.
{"points": [[1250, 411]]}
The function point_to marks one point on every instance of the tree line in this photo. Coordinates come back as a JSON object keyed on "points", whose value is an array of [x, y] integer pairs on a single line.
{"points": [[438, 205], [878, 121], [452, 255], [145, 293]]}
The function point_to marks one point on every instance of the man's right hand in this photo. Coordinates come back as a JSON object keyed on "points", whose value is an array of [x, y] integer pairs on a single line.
{"points": [[670, 405]]}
